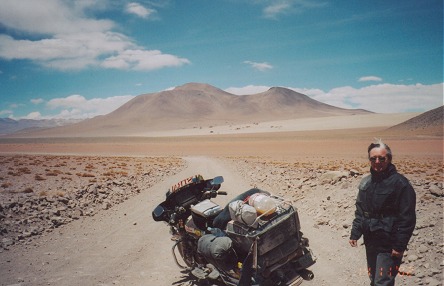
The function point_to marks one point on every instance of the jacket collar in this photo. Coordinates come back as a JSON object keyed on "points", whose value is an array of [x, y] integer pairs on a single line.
{"points": [[379, 176]]}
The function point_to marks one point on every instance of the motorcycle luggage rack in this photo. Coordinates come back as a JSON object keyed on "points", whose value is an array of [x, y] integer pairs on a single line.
{"points": [[263, 218], [272, 239]]}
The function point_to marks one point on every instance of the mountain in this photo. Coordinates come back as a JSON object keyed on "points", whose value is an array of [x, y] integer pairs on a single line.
{"points": [[8, 125], [195, 105], [428, 123], [283, 103]]}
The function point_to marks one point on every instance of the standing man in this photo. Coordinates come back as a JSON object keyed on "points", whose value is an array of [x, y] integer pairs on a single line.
{"points": [[385, 216]]}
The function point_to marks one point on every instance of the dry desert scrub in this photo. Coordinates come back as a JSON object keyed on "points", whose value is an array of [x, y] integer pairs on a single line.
{"points": [[39, 193]]}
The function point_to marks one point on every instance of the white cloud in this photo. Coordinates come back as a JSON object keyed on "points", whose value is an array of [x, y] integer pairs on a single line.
{"points": [[50, 17], [70, 101], [275, 8], [139, 10], [381, 98], [37, 100], [249, 89], [259, 66], [143, 60], [77, 106], [370, 78], [64, 38], [6, 113], [73, 114], [33, 115]]}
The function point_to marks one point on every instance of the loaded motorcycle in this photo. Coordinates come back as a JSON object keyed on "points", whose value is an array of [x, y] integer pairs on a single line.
{"points": [[255, 240]]}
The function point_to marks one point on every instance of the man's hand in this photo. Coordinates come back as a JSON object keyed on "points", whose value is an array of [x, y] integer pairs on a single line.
{"points": [[354, 243], [397, 253]]}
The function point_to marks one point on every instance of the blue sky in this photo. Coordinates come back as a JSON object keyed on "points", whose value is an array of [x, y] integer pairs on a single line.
{"points": [[79, 59]]}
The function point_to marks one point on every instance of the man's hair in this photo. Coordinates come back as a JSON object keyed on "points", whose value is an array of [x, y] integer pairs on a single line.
{"points": [[379, 144]]}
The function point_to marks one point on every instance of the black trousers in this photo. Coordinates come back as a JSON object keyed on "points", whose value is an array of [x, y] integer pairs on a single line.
{"points": [[382, 267]]}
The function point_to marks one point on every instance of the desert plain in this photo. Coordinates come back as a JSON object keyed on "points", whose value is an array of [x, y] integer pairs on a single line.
{"points": [[77, 211]]}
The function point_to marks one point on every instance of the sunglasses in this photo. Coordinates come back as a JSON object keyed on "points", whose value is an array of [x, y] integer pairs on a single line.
{"points": [[381, 159]]}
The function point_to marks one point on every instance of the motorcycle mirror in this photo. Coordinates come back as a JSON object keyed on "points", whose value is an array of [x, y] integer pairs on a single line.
{"points": [[217, 180], [158, 213]]}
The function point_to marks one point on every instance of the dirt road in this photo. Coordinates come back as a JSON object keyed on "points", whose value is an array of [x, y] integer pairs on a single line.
{"points": [[124, 246], [120, 246]]}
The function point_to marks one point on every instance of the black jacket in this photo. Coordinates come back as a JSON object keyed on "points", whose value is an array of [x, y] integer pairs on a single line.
{"points": [[385, 211]]}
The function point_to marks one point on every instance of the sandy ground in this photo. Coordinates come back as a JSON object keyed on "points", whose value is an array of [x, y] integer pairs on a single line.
{"points": [[124, 246], [301, 124]]}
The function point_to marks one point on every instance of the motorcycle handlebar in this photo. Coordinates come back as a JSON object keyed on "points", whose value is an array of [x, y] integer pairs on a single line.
{"points": [[213, 194], [172, 218]]}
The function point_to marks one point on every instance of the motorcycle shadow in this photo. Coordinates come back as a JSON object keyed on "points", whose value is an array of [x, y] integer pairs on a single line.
{"points": [[189, 280]]}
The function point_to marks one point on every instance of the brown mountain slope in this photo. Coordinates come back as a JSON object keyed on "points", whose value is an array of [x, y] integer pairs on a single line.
{"points": [[194, 105], [429, 123], [287, 104]]}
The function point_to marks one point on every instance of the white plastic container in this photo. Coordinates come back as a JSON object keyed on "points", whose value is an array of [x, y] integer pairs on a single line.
{"points": [[263, 204]]}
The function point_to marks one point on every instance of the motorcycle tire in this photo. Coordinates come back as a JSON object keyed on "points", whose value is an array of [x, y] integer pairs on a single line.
{"points": [[186, 254]]}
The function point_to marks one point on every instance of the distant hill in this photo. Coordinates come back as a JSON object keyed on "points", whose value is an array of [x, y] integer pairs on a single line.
{"points": [[196, 105], [428, 123], [8, 125]]}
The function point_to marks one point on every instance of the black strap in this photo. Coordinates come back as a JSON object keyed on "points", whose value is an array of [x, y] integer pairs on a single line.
{"points": [[247, 270]]}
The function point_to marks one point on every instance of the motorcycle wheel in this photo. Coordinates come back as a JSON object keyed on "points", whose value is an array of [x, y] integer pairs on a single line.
{"points": [[186, 254]]}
